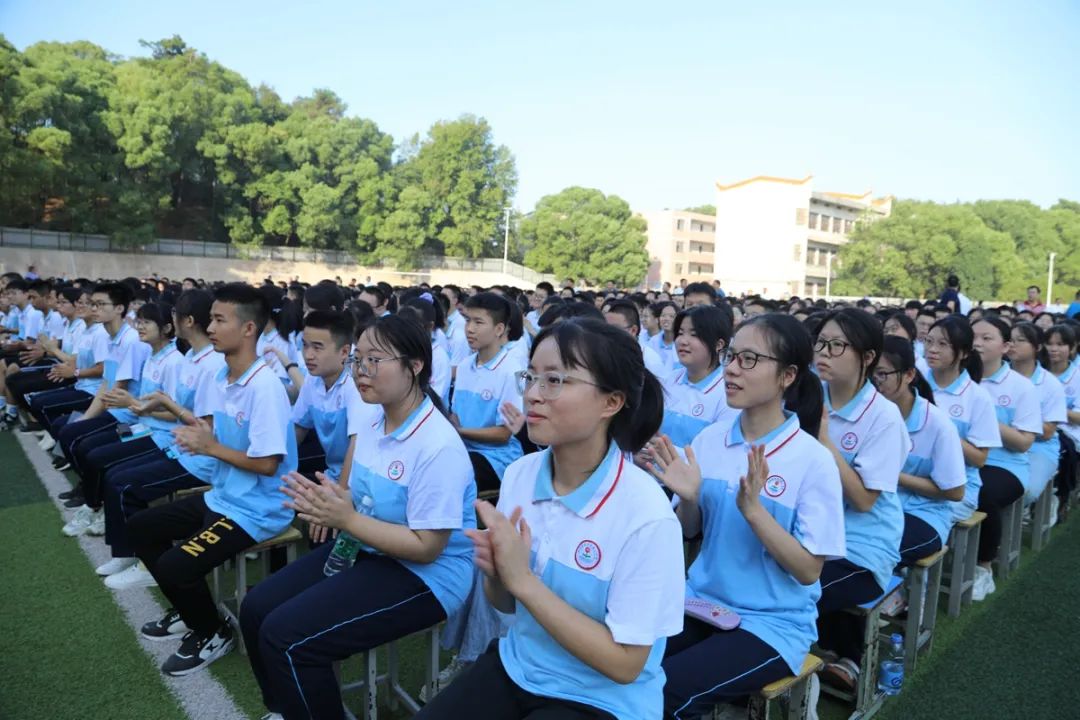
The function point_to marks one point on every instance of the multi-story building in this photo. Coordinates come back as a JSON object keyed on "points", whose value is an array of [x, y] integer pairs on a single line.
{"points": [[681, 244]]}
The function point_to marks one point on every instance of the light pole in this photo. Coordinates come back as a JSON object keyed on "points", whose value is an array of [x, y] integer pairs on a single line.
{"points": [[1050, 279], [828, 274], [506, 240]]}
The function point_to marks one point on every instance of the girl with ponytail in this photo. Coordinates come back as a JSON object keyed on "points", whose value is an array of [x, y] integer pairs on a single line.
{"points": [[933, 473], [583, 547], [766, 497], [401, 563]]}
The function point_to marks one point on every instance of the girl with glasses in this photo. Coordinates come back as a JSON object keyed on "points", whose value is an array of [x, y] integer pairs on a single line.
{"points": [[869, 444], [765, 496], [933, 473]]}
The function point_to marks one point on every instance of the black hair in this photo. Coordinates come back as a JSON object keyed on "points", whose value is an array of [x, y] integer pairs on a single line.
{"points": [[863, 332], [324, 295], [378, 292], [546, 287], [195, 304], [901, 355], [928, 311], [1042, 314], [408, 341], [161, 315], [711, 326], [567, 310], [791, 344], [17, 284], [700, 288], [1066, 332], [1004, 328], [1033, 334], [72, 294], [1036, 288], [953, 282], [119, 294], [40, 286], [516, 327], [494, 304], [905, 322], [339, 323], [913, 305], [454, 289], [363, 317], [251, 304], [628, 311], [423, 311], [614, 360], [962, 340]]}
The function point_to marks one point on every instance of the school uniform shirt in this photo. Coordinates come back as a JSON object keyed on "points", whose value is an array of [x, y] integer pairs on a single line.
{"points": [[440, 370], [518, 353], [296, 342], [252, 415], [1054, 409], [55, 324], [420, 476], [653, 363], [733, 569], [690, 407], [31, 323], [870, 435], [935, 454], [11, 318], [159, 372], [73, 332], [269, 342], [92, 348], [458, 346], [1016, 404], [533, 317], [126, 357], [667, 353], [196, 391], [1070, 381], [612, 549], [479, 393], [330, 412]]}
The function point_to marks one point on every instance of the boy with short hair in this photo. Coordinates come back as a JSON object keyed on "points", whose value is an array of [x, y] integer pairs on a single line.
{"points": [[249, 436]]}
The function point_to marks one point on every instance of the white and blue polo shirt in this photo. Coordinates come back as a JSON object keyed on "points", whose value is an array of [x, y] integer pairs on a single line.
{"points": [[1070, 381], [269, 341], [11, 319], [457, 345], [126, 356], [668, 355], [441, 369], [55, 324], [612, 549], [690, 407], [197, 392], [733, 569], [518, 351], [420, 476], [252, 415], [93, 348], [1054, 409], [1016, 404], [936, 455], [296, 342], [72, 335], [31, 323], [972, 412], [330, 413], [159, 372], [479, 393], [653, 362], [869, 432]]}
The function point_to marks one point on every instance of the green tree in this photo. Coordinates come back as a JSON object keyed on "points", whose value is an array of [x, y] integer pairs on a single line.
{"points": [[702, 209], [580, 232]]}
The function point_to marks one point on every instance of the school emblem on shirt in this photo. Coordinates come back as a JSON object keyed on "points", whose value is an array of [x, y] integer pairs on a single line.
{"points": [[487, 395], [956, 410], [849, 441], [157, 376], [1070, 390], [240, 418], [697, 410], [190, 381], [1004, 400], [396, 470], [587, 555], [775, 486]]}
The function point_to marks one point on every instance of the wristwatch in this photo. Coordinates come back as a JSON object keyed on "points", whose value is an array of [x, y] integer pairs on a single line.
{"points": [[76, 372]]}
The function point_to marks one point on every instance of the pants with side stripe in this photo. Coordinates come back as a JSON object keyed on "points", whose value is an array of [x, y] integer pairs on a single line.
{"points": [[844, 585], [47, 407], [298, 622], [130, 487], [25, 382], [920, 540], [705, 666], [74, 433], [99, 453], [207, 539]]}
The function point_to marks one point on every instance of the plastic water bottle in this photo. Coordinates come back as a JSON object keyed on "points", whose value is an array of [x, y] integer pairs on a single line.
{"points": [[891, 674], [343, 554]]}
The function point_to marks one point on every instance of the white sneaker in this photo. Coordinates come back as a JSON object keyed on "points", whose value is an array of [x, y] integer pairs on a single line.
{"points": [[135, 576], [446, 676], [984, 584], [813, 695], [272, 716], [97, 523], [115, 565], [1055, 505], [80, 522], [47, 443]]}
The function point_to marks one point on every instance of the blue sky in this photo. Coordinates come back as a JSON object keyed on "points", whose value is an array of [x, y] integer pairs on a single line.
{"points": [[656, 101]]}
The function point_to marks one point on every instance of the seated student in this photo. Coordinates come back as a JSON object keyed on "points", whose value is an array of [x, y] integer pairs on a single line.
{"points": [[403, 563], [869, 443], [1058, 351], [250, 438], [694, 395], [455, 325], [624, 314], [933, 475], [663, 342], [605, 589], [484, 382], [324, 295], [1024, 351], [273, 347], [518, 342], [96, 453], [767, 497], [123, 366], [426, 313], [1007, 469], [132, 484], [30, 320]]}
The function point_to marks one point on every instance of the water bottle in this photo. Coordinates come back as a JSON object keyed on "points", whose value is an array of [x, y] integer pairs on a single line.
{"points": [[343, 554], [891, 674]]}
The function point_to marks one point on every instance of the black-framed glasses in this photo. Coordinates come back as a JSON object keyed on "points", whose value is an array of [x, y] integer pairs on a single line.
{"points": [[836, 347], [881, 376], [96, 304], [368, 365], [747, 359], [550, 383]]}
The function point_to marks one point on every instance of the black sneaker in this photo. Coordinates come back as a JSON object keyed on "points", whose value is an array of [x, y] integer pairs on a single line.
{"points": [[73, 492], [197, 652], [61, 463], [8, 422], [75, 501], [167, 628], [31, 427]]}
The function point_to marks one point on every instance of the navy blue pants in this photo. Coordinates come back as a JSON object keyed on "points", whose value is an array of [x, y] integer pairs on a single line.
{"points": [[705, 666], [920, 540], [844, 585], [25, 382], [47, 407], [1000, 489], [73, 433], [298, 622], [100, 452], [131, 485]]}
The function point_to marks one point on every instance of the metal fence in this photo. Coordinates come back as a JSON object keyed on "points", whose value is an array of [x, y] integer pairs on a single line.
{"points": [[78, 242]]}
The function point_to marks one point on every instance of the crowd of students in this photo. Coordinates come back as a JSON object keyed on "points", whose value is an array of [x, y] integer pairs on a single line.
{"points": [[807, 451]]}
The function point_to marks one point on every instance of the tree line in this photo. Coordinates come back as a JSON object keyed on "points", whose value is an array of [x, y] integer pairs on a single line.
{"points": [[176, 145]]}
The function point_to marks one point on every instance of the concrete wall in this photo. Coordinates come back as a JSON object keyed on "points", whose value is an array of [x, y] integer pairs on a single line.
{"points": [[117, 265]]}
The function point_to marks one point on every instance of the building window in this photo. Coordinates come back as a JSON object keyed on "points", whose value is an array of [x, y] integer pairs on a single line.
{"points": [[798, 253], [848, 225], [678, 224], [678, 247], [813, 221], [678, 268], [800, 216], [824, 225], [836, 225]]}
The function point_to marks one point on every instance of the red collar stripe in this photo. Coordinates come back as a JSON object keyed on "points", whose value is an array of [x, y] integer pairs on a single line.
{"points": [[618, 474]]}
